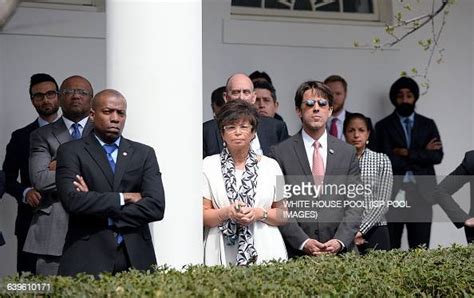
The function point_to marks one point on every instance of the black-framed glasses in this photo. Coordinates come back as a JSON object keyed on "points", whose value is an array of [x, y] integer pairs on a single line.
{"points": [[81, 92], [322, 102], [39, 96]]}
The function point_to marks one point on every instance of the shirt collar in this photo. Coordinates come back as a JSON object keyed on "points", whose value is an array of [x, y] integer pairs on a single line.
{"points": [[102, 143], [308, 140], [341, 116], [69, 123], [411, 117]]}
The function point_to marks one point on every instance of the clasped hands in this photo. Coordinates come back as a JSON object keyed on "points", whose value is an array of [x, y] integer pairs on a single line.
{"points": [[129, 197], [242, 214], [313, 247]]}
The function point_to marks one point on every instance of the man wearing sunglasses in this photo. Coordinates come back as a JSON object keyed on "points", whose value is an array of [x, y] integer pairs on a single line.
{"points": [[270, 131], [43, 93], [326, 222], [48, 228]]}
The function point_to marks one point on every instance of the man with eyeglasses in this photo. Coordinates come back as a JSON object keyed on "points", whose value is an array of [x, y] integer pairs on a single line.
{"points": [[43, 93], [327, 221], [270, 131], [47, 232]]}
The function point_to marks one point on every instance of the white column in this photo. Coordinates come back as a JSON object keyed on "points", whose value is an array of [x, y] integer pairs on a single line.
{"points": [[154, 57]]}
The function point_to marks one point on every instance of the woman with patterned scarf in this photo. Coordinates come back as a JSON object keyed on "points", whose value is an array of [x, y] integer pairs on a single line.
{"points": [[241, 207]]}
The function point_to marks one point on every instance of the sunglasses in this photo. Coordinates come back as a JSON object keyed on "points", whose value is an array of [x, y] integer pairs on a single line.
{"points": [[322, 102]]}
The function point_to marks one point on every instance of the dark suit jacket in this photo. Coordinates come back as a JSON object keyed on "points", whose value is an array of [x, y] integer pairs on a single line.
{"points": [[342, 167], [16, 160], [270, 132], [2, 190], [390, 135], [90, 243], [463, 174]]}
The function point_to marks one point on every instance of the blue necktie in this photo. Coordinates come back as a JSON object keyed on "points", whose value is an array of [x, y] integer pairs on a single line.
{"points": [[110, 148], [407, 123], [76, 134], [409, 177]]}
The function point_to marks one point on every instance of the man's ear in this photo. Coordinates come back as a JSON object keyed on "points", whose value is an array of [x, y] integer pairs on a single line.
{"points": [[224, 96], [253, 98], [92, 114], [330, 111], [298, 112]]}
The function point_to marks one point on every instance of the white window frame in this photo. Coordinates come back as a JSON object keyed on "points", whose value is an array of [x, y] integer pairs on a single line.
{"points": [[82, 5], [382, 14]]}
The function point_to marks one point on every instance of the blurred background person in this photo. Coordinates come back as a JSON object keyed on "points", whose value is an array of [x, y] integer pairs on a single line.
{"points": [[217, 100], [43, 93], [462, 175], [413, 144], [240, 204], [2, 190], [376, 171]]}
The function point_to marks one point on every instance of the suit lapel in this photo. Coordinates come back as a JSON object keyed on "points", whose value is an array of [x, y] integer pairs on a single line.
{"points": [[300, 152], [331, 155], [415, 128], [398, 128], [88, 128], [98, 154], [123, 161], [61, 132]]}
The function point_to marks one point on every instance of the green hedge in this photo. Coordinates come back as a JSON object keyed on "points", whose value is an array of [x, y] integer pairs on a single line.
{"points": [[437, 272]]}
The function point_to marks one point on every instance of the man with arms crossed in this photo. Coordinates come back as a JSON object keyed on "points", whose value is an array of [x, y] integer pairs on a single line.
{"points": [[48, 228], [43, 93], [112, 189]]}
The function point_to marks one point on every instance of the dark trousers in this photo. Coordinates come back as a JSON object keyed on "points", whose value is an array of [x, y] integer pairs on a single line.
{"points": [[417, 219], [377, 238], [418, 234], [25, 262], [122, 260], [469, 234]]}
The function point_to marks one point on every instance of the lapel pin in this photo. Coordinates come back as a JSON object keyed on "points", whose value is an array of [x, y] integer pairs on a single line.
{"points": [[331, 151], [125, 154]]}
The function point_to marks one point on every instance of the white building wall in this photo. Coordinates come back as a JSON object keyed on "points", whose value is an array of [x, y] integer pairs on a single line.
{"points": [[63, 43]]}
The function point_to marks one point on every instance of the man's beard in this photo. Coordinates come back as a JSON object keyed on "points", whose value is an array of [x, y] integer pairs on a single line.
{"points": [[45, 112], [405, 109]]}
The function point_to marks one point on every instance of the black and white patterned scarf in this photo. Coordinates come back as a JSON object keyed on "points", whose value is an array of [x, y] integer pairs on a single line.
{"points": [[231, 230]]}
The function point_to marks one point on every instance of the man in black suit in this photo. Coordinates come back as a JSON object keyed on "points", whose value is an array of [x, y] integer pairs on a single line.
{"points": [[413, 144], [112, 189], [335, 123], [44, 97], [313, 155], [2, 190], [269, 131], [463, 174]]}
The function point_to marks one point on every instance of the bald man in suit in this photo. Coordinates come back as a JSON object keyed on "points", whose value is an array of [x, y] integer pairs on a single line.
{"points": [[270, 131], [112, 189]]}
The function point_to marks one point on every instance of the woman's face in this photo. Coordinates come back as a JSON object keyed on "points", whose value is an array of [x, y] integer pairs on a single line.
{"points": [[238, 134], [357, 134]]}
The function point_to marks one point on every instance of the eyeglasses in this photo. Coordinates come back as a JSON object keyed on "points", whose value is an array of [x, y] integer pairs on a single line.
{"points": [[322, 102], [233, 128], [81, 92], [39, 96]]}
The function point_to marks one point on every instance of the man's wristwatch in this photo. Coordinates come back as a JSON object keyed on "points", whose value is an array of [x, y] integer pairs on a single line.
{"points": [[265, 215]]}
